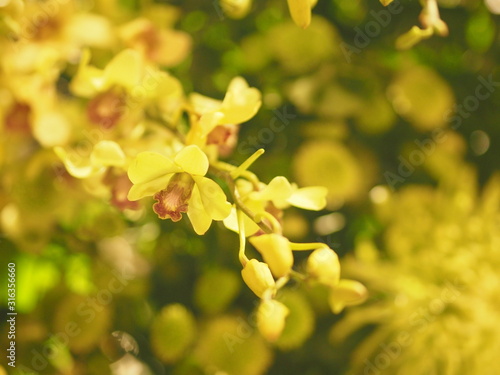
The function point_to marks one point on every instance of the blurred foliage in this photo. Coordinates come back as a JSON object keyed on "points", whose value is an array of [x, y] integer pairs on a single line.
{"points": [[404, 140]]}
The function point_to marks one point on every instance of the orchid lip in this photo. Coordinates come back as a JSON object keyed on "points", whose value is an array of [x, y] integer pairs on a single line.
{"points": [[173, 201]]}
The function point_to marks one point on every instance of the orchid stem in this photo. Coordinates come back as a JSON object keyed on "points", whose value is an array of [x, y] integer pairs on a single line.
{"points": [[241, 231], [307, 246], [246, 164]]}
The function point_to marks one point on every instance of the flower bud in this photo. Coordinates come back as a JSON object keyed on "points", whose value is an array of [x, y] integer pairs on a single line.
{"points": [[324, 266], [347, 293], [271, 317], [276, 251], [300, 10], [412, 37], [236, 9], [258, 277]]}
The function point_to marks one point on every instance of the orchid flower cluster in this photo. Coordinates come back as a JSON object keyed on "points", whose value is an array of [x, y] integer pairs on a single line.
{"points": [[124, 130], [182, 179], [184, 182]]}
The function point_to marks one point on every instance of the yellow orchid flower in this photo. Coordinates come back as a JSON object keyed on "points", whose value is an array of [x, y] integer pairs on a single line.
{"points": [[165, 47], [108, 88], [103, 171], [60, 28], [179, 186], [281, 193], [240, 104], [124, 70], [124, 87], [104, 154]]}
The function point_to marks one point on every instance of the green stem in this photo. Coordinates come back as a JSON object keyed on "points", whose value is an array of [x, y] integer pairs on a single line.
{"points": [[298, 275], [241, 206], [241, 230], [281, 282], [247, 163], [307, 246], [276, 226]]}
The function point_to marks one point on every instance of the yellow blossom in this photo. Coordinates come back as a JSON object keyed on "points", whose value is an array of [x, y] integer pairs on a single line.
{"points": [[240, 104], [104, 154], [271, 315], [276, 251], [323, 265], [160, 45], [435, 277], [179, 186], [124, 70], [258, 277], [124, 87], [281, 194]]}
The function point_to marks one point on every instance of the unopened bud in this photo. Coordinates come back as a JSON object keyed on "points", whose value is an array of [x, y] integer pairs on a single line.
{"points": [[300, 10], [236, 8], [271, 316], [347, 293], [441, 27], [324, 266], [276, 251], [258, 277], [412, 37]]}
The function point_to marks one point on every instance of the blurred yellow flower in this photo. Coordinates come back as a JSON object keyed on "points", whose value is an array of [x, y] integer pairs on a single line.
{"points": [[240, 104], [104, 154], [422, 97], [123, 70], [324, 266], [436, 282], [163, 46], [347, 293], [271, 315], [332, 165]]}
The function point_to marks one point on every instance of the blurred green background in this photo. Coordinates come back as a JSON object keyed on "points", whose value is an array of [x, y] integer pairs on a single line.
{"points": [[403, 141]]}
